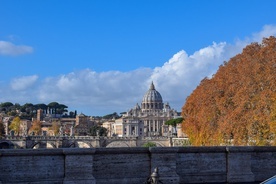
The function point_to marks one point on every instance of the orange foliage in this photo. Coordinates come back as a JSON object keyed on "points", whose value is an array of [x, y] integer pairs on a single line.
{"points": [[36, 127], [238, 104]]}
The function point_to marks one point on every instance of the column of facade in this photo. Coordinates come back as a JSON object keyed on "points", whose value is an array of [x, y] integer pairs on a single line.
{"points": [[128, 130], [158, 126], [136, 130], [153, 121], [156, 122], [124, 130]]}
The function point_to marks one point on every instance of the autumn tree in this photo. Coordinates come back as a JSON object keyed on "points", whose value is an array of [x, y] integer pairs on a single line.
{"points": [[36, 127], [2, 129], [15, 125], [237, 105], [55, 127]]}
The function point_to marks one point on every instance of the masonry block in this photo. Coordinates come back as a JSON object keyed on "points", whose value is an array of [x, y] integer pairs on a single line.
{"points": [[121, 165], [165, 160], [31, 166], [79, 166], [239, 165], [202, 165]]}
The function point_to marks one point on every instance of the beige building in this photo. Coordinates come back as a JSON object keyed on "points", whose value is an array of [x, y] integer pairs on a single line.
{"points": [[83, 124], [145, 120]]}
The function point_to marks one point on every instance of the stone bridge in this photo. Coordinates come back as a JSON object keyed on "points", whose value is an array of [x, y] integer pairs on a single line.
{"points": [[35, 142]]}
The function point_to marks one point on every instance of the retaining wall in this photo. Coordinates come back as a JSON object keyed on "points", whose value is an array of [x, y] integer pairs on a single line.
{"points": [[134, 165]]}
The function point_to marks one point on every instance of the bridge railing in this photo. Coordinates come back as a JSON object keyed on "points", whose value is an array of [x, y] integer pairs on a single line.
{"points": [[156, 138], [9, 137]]}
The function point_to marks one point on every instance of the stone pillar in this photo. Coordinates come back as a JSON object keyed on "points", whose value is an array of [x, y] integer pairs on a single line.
{"points": [[72, 130], [136, 130], [165, 160], [128, 130], [79, 166], [153, 122], [6, 124], [99, 141], [239, 165]]}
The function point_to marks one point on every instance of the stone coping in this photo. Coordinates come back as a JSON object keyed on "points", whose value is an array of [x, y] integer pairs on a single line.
{"points": [[202, 149], [164, 149], [134, 150], [30, 152], [228, 149], [122, 150]]}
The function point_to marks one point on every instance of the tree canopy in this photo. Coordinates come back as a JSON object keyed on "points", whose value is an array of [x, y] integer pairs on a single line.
{"points": [[238, 104], [174, 122], [15, 125], [36, 128], [149, 144], [55, 128], [98, 131], [2, 129], [28, 110], [111, 116]]}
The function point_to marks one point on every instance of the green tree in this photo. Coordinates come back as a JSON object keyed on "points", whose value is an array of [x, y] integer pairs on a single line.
{"points": [[6, 106], [98, 130], [61, 108], [149, 144], [72, 114], [29, 108], [15, 125], [54, 106], [41, 106], [174, 122], [111, 116]]}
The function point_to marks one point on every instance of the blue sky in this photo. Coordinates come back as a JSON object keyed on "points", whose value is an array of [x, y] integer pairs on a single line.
{"points": [[99, 57]]}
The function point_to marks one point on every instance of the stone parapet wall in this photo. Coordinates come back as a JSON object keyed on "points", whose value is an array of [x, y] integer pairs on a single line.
{"points": [[134, 165]]}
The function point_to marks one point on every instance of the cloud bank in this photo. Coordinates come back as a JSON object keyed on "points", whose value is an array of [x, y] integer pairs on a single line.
{"points": [[99, 93], [23, 83], [8, 48]]}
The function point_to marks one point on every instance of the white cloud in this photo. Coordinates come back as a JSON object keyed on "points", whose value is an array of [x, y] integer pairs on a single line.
{"points": [[97, 93], [106, 90], [23, 83], [178, 77], [268, 30], [8, 48]]}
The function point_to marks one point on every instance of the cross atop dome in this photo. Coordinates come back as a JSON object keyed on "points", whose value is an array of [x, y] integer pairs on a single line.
{"points": [[152, 86]]}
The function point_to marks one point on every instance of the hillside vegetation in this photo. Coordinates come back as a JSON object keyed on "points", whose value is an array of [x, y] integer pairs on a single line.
{"points": [[238, 104]]}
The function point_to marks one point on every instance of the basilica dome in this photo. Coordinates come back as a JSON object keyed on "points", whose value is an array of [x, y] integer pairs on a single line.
{"points": [[152, 99]]}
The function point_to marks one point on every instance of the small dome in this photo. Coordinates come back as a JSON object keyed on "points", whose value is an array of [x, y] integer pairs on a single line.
{"points": [[152, 95]]}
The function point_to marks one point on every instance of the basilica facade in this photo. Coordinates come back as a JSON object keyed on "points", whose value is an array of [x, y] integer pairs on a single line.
{"points": [[146, 119]]}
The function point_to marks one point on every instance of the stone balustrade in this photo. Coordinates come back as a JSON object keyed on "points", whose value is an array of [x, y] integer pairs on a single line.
{"points": [[135, 165]]}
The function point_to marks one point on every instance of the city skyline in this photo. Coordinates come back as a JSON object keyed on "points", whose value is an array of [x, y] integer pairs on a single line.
{"points": [[99, 57]]}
